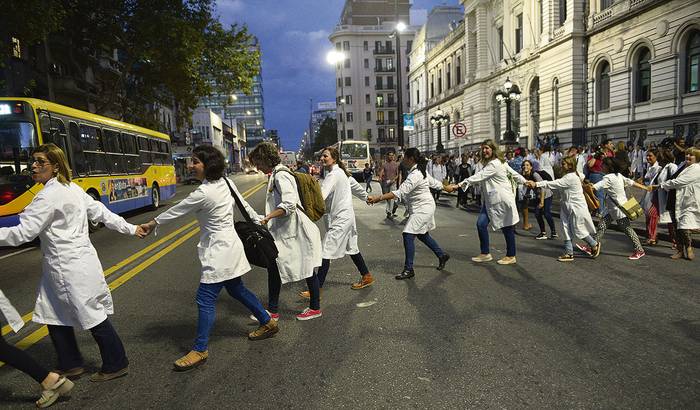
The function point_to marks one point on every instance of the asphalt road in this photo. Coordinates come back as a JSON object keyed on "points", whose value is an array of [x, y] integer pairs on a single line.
{"points": [[605, 333]]}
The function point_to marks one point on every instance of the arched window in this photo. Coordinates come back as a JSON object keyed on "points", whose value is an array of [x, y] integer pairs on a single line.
{"points": [[496, 117], [555, 102], [603, 88], [534, 99], [692, 62], [642, 73]]}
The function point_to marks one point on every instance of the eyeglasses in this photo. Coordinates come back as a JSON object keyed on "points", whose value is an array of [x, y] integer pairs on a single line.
{"points": [[40, 162]]}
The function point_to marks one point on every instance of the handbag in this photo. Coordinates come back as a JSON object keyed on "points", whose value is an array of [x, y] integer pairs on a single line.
{"points": [[632, 209], [258, 243], [591, 199]]}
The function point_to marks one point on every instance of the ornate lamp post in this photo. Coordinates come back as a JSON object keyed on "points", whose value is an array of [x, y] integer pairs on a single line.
{"points": [[512, 92], [437, 120]]}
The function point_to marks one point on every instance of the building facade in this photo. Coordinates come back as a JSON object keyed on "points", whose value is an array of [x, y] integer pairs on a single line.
{"points": [[323, 110], [367, 83], [625, 70]]}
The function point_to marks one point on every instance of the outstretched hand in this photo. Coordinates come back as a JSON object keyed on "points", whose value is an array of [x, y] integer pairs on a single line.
{"points": [[450, 187], [531, 184], [144, 230], [373, 199], [140, 232]]}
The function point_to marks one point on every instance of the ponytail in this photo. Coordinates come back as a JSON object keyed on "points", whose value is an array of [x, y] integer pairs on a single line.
{"points": [[421, 160]]}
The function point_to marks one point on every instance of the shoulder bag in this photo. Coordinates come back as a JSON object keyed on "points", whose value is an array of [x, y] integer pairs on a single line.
{"points": [[259, 245]]}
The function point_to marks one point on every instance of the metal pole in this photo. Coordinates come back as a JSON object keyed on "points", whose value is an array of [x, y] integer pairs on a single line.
{"points": [[399, 93]]}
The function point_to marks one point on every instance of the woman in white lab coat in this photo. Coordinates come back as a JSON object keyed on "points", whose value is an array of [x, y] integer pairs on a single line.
{"points": [[498, 205], [613, 184], [52, 384], [650, 203], [297, 238], [687, 207], [669, 167], [341, 229], [73, 291], [415, 192], [220, 251], [575, 219]]}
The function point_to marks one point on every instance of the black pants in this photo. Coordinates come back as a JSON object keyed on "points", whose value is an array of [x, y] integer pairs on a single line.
{"points": [[357, 259], [111, 347], [21, 361], [274, 286]]}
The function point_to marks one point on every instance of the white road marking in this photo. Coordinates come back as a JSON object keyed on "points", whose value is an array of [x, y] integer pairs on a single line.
{"points": [[18, 252]]}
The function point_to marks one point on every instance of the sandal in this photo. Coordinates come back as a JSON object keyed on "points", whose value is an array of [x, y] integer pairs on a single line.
{"points": [[48, 397], [650, 242], [191, 360]]}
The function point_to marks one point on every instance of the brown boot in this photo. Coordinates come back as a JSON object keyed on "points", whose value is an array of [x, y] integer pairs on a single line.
{"points": [[677, 255], [263, 332], [364, 282], [690, 253]]}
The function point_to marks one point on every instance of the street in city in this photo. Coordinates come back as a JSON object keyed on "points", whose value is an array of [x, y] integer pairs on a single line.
{"points": [[605, 333]]}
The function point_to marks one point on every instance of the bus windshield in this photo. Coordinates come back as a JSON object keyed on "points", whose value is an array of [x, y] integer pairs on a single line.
{"points": [[353, 151], [17, 140]]}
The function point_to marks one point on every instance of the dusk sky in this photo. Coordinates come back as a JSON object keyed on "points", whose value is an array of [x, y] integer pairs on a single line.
{"points": [[294, 39]]}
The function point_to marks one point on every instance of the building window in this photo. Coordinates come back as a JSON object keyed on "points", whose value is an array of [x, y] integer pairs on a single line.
{"points": [[500, 43], [380, 100], [389, 63], [340, 82], [459, 70], [449, 76], [368, 116], [392, 117], [390, 83], [367, 99], [350, 134], [348, 116], [439, 81], [518, 33], [346, 63], [337, 46], [432, 85], [366, 81], [348, 99], [603, 88], [365, 46], [380, 117], [409, 46], [604, 4], [417, 95], [541, 15], [347, 81], [562, 12], [346, 45], [643, 76], [369, 134], [692, 62], [366, 62], [16, 48], [379, 83], [555, 102]]}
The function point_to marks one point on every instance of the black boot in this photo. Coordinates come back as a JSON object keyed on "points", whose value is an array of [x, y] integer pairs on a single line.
{"points": [[406, 274], [443, 260]]}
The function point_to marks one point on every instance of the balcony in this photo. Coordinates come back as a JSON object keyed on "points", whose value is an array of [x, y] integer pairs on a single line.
{"points": [[385, 87], [390, 121], [390, 104], [616, 10], [384, 50], [384, 69]]}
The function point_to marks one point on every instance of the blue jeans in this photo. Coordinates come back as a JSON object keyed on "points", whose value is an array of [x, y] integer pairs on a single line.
{"points": [[547, 211], [482, 226], [595, 177], [206, 300], [409, 247], [110, 345], [569, 246]]}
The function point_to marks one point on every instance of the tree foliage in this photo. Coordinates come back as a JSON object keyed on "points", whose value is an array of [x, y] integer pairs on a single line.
{"points": [[167, 49]]}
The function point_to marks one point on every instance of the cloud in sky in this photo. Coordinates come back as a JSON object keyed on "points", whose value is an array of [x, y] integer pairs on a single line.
{"points": [[293, 36]]}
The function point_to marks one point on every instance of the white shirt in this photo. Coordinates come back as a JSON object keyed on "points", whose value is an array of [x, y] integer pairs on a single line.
{"points": [[220, 250], [415, 193], [614, 185], [687, 186]]}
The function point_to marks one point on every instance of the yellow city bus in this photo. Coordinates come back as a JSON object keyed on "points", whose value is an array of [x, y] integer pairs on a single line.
{"points": [[122, 165], [354, 154]]}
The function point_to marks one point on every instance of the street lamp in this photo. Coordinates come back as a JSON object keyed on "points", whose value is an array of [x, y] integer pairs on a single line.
{"points": [[336, 58], [511, 93], [400, 27], [437, 120]]}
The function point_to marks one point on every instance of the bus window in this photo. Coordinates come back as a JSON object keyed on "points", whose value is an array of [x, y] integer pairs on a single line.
{"points": [[79, 164], [144, 151], [131, 154], [157, 156], [167, 157], [53, 132], [117, 164], [91, 138]]}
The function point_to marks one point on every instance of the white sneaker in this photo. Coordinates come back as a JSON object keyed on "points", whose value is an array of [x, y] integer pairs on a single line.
{"points": [[483, 258], [273, 316]]}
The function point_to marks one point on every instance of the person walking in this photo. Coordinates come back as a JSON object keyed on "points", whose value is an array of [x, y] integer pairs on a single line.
{"points": [[613, 185], [415, 193], [464, 171], [388, 174], [220, 250], [341, 228], [542, 198], [73, 291], [498, 208], [668, 166], [686, 213], [439, 173], [575, 219], [297, 238], [53, 385], [367, 175], [650, 203]]}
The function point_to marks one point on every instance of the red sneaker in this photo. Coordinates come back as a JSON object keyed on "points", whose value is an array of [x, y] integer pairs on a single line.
{"points": [[309, 314], [636, 255], [585, 249]]}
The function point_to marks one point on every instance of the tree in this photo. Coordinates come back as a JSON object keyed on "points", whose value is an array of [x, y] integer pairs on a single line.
{"points": [[327, 135]]}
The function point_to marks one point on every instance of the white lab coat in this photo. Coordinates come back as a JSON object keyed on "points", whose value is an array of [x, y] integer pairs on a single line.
{"points": [[547, 161], [415, 193], [10, 313], [666, 172], [687, 186], [73, 291], [637, 160], [220, 250], [438, 171], [341, 229], [575, 218], [497, 192], [614, 185], [297, 238], [648, 178]]}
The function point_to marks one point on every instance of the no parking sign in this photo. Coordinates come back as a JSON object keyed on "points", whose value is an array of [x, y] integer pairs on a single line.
{"points": [[459, 130]]}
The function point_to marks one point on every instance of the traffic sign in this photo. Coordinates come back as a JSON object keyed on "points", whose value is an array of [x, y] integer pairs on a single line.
{"points": [[459, 130]]}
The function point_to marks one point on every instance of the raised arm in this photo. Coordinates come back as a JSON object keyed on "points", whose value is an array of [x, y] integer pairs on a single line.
{"points": [[487, 172], [190, 204]]}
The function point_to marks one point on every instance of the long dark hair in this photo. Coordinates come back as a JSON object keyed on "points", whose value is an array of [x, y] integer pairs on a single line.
{"points": [[420, 159], [213, 160], [335, 154]]}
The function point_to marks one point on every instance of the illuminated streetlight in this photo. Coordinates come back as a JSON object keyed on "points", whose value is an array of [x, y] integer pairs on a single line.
{"points": [[512, 93]]}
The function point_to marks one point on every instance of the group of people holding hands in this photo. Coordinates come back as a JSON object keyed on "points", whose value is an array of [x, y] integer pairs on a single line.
{"points": [[73, 292]]}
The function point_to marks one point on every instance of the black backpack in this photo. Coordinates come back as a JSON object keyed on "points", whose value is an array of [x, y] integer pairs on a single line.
{"points": [[544, 174]]}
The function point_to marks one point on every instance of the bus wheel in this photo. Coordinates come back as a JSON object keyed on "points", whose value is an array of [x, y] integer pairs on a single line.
{"points": [[93, 226], [155, 197]]}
